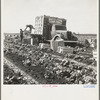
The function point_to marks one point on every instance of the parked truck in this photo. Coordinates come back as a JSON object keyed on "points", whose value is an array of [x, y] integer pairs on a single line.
{"points": [[47, 27]]}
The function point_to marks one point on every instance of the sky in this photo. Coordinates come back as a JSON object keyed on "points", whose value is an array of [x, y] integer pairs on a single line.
{"points": [[81, 15]]}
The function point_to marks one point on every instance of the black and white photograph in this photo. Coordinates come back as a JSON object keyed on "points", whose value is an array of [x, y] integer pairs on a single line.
{"points": [[50, 42], [49, 49]]}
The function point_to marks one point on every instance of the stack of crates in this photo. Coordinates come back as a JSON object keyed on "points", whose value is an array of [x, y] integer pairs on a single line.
{"points": [[65, 50], [55, 43], [44, 45], [27, 41], [95, 54]]}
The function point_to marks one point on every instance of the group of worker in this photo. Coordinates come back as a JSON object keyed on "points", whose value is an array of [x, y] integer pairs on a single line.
{"points": [[35, 39], [23, 31]]}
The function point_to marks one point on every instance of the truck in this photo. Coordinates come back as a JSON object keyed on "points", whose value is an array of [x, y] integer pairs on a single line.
{"points": [[47, 27]]}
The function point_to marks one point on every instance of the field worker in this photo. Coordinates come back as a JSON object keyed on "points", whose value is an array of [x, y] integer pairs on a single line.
{"points": [[21, 34]]}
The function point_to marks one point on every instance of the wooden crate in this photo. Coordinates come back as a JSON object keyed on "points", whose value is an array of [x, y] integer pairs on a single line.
{"points": [[27, 41], [64, 50], [43, 45], [95, 55]]}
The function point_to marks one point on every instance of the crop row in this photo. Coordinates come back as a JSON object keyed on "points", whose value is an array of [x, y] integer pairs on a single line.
{"points": [[47, 69]]}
